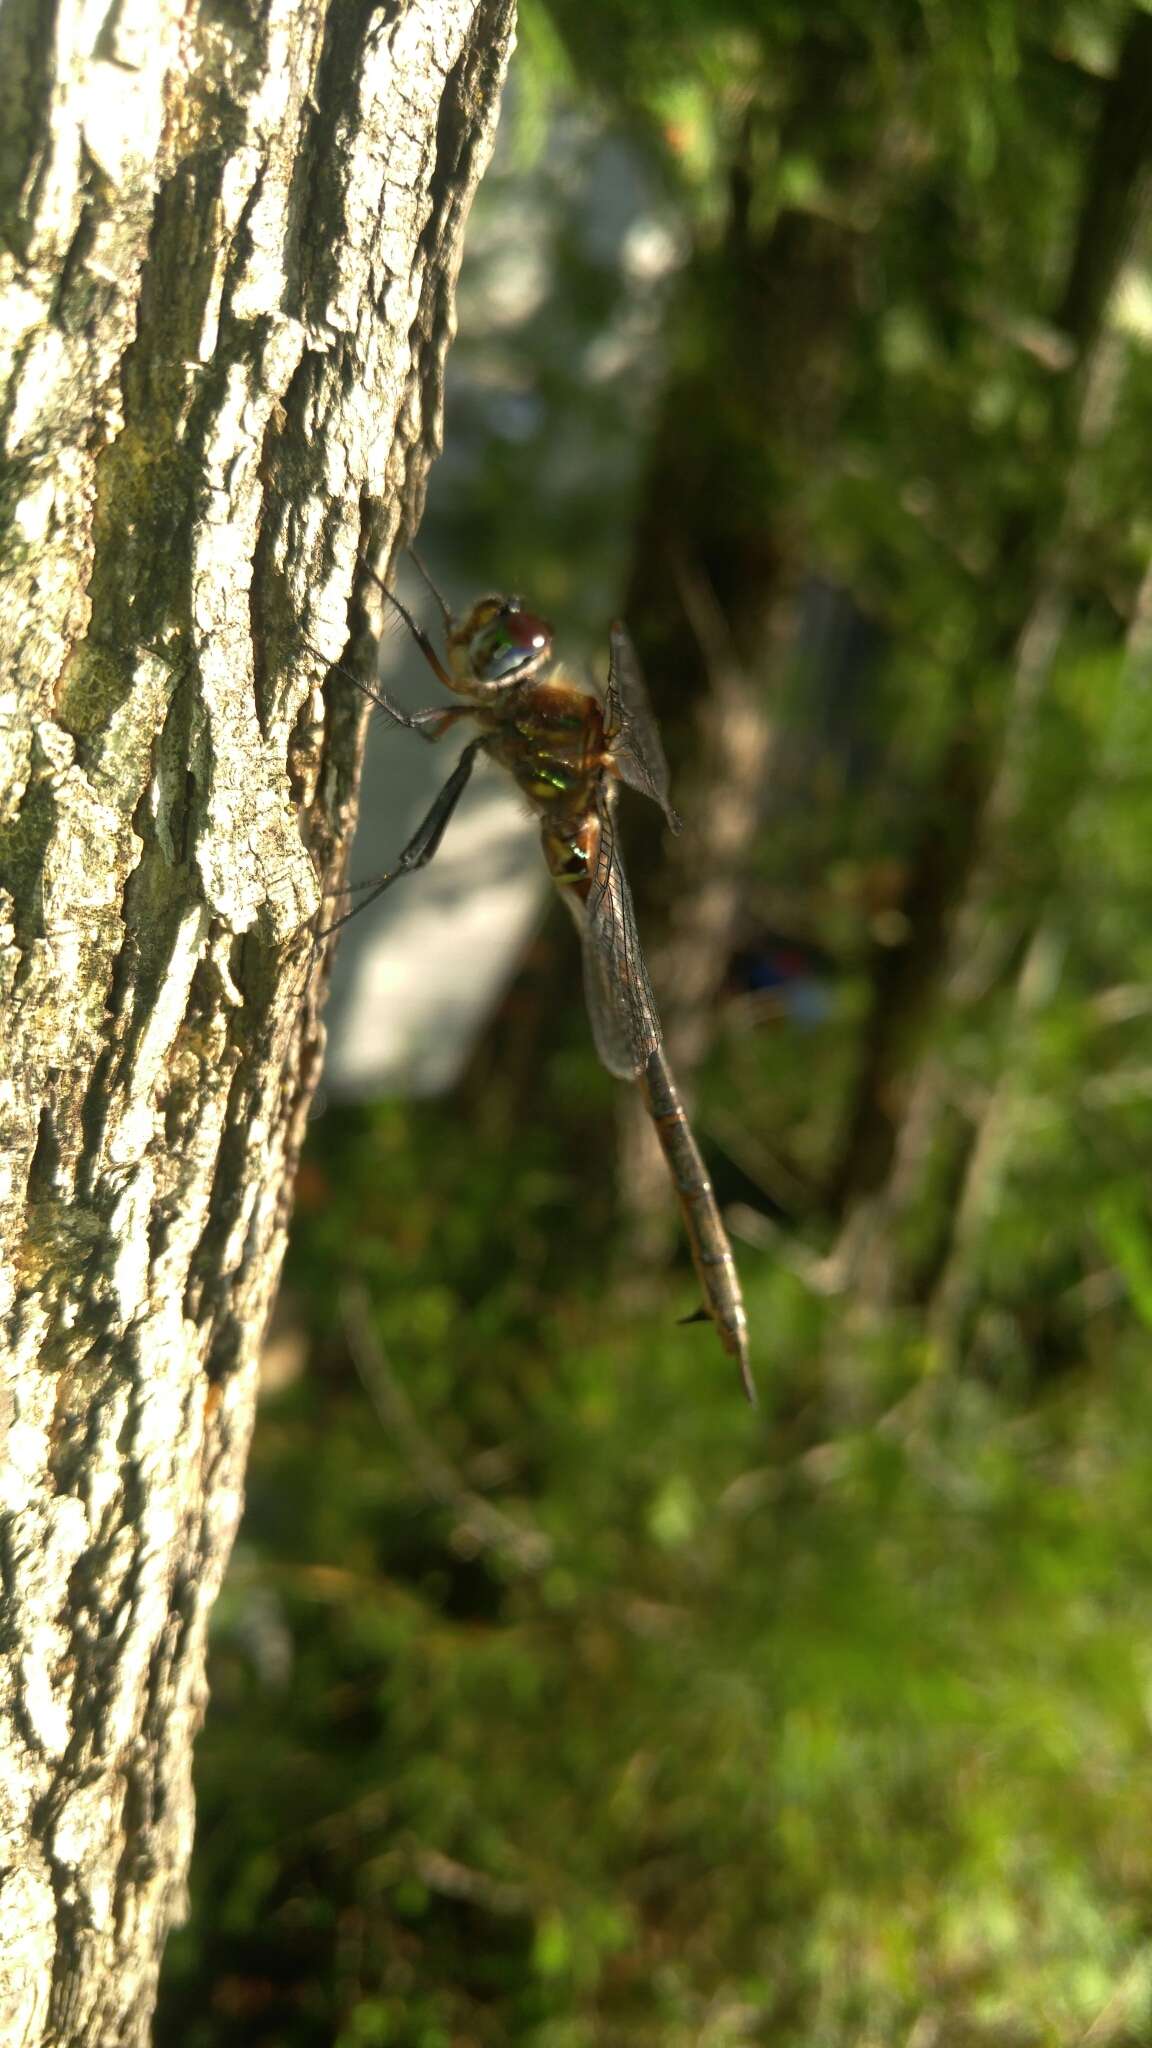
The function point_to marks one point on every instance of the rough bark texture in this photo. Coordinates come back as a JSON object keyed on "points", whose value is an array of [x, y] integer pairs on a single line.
{"points": [[228, 241]]}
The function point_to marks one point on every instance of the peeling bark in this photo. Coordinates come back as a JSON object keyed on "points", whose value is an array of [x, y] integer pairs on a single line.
{"points": [[228, 244]]}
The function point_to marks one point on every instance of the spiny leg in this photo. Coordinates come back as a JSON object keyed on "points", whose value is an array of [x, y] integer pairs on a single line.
{"points": [[425, 840], [413, 624], [430, 724], [422, 572]]}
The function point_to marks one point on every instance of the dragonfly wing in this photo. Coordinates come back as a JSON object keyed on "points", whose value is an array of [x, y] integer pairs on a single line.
{"points": [[610, 1034], [630, 726], [621, 1005]]}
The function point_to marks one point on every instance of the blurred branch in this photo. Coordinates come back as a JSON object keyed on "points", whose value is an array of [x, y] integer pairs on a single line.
{"points": [[455, 1880], [485, 1526], [989, 1135], [990, 1151], [751, 1226], [912, 1148], [721, 553], [964, 941], [1116, 197]]}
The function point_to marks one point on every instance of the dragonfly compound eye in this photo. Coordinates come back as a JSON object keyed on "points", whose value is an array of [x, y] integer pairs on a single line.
{"points": [[510, 641]]}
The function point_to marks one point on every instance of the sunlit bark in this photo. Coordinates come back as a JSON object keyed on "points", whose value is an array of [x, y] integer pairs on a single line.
{"points": [[230, 248]]}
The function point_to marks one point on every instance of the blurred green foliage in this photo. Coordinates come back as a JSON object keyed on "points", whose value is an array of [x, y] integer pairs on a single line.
{"points": [[824, 1728], [796, 1737], [793, 1739]]}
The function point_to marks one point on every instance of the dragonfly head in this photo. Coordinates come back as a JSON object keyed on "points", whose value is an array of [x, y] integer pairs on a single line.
{"points": [[499, 645]]}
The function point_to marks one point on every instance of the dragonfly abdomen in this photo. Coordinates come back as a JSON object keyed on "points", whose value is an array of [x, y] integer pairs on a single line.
{"points": [[703, 1224]]}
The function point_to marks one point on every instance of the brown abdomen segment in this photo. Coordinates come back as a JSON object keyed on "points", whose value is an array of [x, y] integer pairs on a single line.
{"points": [[707, 1237]]}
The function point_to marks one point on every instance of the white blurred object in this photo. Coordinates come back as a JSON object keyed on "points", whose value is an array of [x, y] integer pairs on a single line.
{"points": [[420, 971], [417, 973]]}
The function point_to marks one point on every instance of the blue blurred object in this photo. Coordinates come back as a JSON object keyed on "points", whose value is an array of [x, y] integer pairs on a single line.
{"points": [[795, 981]]}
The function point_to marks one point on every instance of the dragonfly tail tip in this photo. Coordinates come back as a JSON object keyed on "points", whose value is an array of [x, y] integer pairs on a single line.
{"points": [[735, 1342]]}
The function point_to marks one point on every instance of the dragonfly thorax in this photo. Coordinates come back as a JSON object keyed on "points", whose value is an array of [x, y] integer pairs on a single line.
{"points": [[498, 646], [549, 735]]}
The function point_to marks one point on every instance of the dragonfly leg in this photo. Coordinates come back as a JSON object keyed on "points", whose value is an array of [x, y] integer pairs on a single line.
{"points": [[413, 624], [430, 724], [424, 841], [445, 614]]}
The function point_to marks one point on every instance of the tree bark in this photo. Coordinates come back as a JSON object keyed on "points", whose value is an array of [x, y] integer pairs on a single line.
{"points": [[228, 244]]}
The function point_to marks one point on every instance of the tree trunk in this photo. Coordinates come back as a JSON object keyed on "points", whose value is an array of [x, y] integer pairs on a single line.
{"points": [[229, 247]]}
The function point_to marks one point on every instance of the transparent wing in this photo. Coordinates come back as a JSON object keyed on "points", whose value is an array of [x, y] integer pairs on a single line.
{"points": [[630, 726], [621, 1006]]}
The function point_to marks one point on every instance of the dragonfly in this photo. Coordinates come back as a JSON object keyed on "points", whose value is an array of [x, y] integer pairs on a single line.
{"points": [[568, 750]]}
